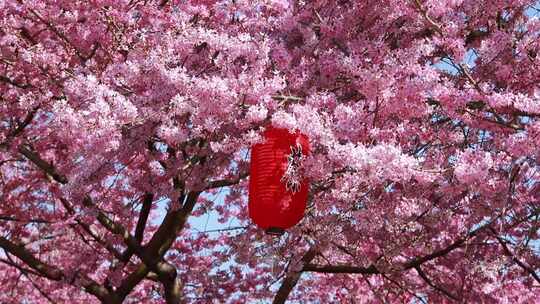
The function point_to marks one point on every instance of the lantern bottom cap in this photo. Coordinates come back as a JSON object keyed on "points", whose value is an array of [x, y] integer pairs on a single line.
{"points": [[275, 231]]}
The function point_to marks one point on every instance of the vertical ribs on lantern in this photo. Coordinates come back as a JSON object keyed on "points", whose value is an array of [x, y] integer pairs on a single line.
{"points": [[277, 190]]}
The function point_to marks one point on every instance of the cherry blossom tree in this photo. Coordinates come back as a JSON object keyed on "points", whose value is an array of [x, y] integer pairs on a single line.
{"points": [[121, 121]]}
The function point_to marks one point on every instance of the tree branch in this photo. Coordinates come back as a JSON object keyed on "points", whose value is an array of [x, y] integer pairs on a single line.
{"points": [[131, 281], [64, 38], [341, 269], [51, 272], [142, 270], [426, 16], [287, 97], [26, 273], [141, 224], [173, 223], [24, 255], [143, 216], [11, 263], [509, 253], [42, 164], [416, 262], [292, 278], [163, 3], [13, 83], [227, 182], [9, 218], [20, 127], [430, 283], [458, 243], [90, 232], [114, 227], [152, 254], [160, 243]]}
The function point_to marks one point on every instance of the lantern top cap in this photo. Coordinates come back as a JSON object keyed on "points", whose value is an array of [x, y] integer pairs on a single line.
{"points": [[282, 131]]}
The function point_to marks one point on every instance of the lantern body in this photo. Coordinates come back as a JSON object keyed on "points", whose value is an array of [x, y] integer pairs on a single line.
{"points": [[277, 194]]}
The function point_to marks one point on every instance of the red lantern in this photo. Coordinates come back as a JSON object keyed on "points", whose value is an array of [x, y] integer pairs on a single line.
{"points": [[277, 191]]}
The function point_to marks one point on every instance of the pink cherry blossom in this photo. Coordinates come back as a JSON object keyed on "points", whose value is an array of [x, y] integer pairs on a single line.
{"points": [[126, 127]]}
